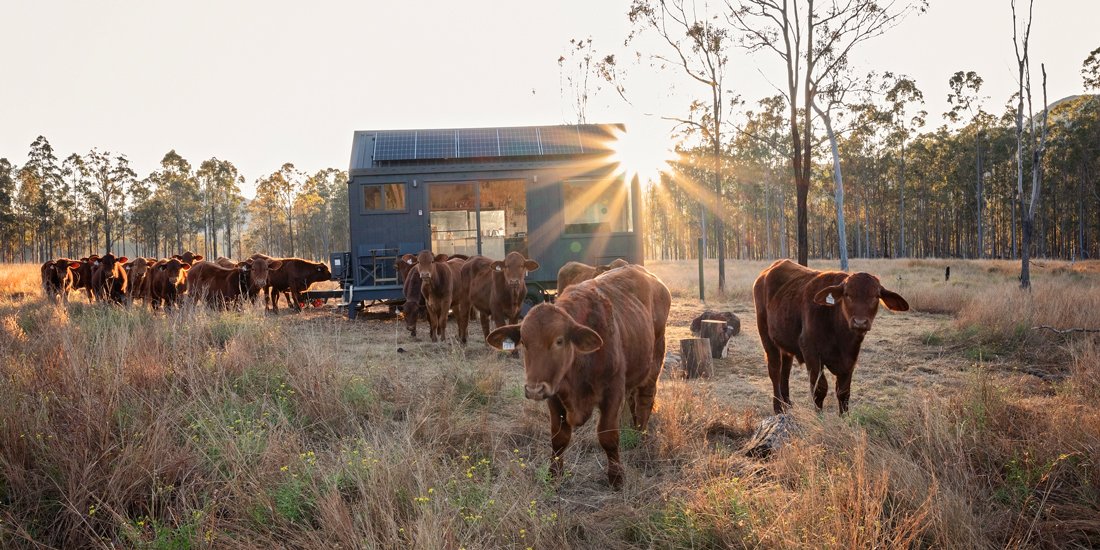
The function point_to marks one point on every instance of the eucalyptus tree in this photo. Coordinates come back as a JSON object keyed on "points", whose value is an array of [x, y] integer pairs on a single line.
{"points": [[7, 213], [814, 40], [903, 92], [966, 97], [695, 42], [106, 178], [219, 182], [41, 176]]}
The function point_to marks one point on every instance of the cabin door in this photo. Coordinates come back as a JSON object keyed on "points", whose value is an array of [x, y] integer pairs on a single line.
{"points": [[478, 217]]}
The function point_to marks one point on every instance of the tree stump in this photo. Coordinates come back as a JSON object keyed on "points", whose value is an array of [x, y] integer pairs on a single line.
{"points": [[695, 357], [716, 331], [770, 436]]}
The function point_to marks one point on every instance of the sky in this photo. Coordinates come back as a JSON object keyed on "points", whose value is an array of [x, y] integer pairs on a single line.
{"points": [[261, 83]]}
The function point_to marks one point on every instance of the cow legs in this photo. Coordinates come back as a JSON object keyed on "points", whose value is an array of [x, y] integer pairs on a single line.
{"points": [[462, 315], [295, 299], [274, 300], [607, 431], [843, 389], [484, 316], [641, 405], [433, 322], [819, 386], [444, 309], [560, 434], [779, 375]]}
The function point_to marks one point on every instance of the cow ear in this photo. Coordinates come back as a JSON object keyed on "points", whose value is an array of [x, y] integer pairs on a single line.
{"points": [[530, 265], [274, 264], [585, 339], [197, 258], [829, 295], [497, 266], [123, 260], [74, 265], [498, 336], [893, 300], [186, 267], [441, 257]]}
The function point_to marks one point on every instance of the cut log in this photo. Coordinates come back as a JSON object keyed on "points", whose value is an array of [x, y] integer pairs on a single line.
{"points": [[695, 358], [770, 436], [715, 330]]}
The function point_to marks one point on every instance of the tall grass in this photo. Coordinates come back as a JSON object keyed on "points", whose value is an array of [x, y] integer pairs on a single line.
{"points": [[199, 429]]}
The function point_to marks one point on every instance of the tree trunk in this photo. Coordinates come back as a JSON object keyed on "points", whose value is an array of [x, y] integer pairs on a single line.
{"points": [[838, 179], [695, 357]]}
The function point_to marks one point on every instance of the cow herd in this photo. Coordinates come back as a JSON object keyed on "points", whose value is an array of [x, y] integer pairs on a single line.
{"points": [[599, 345], [164, 282]]}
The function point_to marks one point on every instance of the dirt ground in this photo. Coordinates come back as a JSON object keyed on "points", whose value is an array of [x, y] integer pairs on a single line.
{"points": [[903, 352]]}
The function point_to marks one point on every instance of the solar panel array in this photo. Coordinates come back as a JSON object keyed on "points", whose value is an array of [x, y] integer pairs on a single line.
{"points": [[528, 141]]}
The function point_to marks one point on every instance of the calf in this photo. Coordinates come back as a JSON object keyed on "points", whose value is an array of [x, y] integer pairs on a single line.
{"points": [[57, 279], [414, 300], [137, 271], [109, 281], [602, 342], [496, 289], [294, 275], [219, 286], [574, 272], [819, 318], [437, 281], [166, 281], [82, 276]]}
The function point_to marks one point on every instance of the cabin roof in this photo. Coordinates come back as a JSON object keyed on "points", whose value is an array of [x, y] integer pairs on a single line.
{"points": [[384, 148]]}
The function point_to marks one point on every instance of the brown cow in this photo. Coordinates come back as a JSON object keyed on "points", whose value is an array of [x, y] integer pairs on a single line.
{"points": [[166, 279], [225, 262], [219, 286], [82, 276], [188, 257], [819, 318], [414, 301], [109, 279], [57, 278], [137, 271], [496, 289], [603, 341], [574, 272], [294, 275], [438, 275]]}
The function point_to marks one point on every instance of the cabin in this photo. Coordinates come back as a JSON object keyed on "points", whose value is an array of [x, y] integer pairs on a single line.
{"points": [[553, 193]]}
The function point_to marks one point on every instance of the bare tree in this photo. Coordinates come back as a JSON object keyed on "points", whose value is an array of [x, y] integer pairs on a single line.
{"points": [[1036, 142], [814, 40], [697, 44]]}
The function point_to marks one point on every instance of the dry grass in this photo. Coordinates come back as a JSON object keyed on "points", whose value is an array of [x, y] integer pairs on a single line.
{"points": [[199, 429]]}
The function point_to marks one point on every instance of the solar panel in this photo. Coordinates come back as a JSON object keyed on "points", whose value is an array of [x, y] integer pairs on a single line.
{"points": [[480, 142], [596, 139], [519, 142], [435, 144], [559, 140], [395, 145]]}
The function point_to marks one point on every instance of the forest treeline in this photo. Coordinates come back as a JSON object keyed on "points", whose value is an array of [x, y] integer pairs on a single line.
{"points": [[908, 193], [96, 203]]}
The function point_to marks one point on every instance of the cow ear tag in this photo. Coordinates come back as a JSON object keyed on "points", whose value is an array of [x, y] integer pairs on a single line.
{"points": [[498, 268], [829, 299], [507, 345], [409, 261]]}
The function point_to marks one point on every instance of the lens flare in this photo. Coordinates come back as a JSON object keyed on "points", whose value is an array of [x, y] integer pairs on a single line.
{"points": [[642, 153]]}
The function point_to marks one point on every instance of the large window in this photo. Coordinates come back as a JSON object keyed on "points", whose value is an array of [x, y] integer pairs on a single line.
{"points": [[597, 206], [385, 197]]}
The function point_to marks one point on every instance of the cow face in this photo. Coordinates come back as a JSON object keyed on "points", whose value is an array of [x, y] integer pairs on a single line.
{"points": [[136, 269], [404, 265], [551, 341], [319, 272], [173, 272], [63, 269], [514, 268], [108, 263], [259, 270], [858, 297]]}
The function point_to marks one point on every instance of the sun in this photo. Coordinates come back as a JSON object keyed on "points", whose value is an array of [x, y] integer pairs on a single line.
{"points": [[642, 151]]}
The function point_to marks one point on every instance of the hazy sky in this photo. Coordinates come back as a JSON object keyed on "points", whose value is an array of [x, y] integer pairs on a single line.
{"points": [[261, 83]]}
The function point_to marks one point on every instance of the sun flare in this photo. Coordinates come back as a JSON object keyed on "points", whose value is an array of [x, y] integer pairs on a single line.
{"points": [[644, 153]]}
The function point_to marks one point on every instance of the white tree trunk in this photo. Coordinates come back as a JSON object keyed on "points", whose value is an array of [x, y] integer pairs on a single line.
{"points": [[838, 179]]}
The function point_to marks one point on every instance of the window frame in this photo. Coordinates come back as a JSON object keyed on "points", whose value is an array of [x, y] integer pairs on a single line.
{"points": [[629, 192], [363, 211]]}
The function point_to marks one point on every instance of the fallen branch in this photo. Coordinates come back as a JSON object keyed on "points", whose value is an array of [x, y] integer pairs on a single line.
{"points": [[1066, 331]]}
